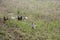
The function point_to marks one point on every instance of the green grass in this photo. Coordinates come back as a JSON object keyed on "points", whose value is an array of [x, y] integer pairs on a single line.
{"points": [[45, 15], [43, 31]]}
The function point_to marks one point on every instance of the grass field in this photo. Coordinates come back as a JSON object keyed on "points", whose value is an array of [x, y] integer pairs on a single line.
{"points": [[45, 15]]}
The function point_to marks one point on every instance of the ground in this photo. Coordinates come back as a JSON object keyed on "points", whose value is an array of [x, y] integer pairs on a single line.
{"points": [[45, 15]]}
